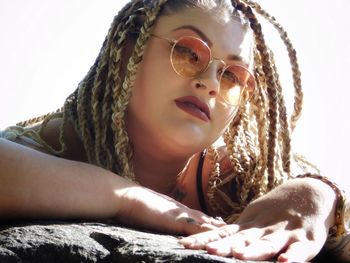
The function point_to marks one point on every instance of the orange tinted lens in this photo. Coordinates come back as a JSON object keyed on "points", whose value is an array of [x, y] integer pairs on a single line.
{"points": [[236, 82], [190, 56]]}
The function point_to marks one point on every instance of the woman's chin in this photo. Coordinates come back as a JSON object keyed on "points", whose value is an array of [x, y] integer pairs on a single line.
{"points": [[188, 142]]}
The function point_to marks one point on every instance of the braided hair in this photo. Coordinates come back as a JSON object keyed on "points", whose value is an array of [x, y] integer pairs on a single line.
{"points": [[258, 140]]}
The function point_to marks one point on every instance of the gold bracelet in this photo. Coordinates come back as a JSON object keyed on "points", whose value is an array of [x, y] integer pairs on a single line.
{"points": [[340, 221]]}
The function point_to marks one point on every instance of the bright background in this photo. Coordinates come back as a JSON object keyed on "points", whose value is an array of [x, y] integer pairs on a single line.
{"points": [[46, 48]]}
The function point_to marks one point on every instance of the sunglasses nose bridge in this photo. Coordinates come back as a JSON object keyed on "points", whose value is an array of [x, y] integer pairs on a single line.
{"points": [[210, 79], [212, 69], [219, 61]]}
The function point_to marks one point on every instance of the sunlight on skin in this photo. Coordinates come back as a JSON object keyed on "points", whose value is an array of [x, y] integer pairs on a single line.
{"points": [[31, 62], [51, 83]]}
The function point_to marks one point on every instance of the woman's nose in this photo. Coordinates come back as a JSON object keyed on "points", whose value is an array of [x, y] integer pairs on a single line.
{"points": [[210, 79]]}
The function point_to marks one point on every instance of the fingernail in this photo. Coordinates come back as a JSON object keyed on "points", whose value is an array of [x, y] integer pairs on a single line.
{"points": [[219, 222], [218, 218], [283, 258], [217, 249], [213, 246], [187, 241]]}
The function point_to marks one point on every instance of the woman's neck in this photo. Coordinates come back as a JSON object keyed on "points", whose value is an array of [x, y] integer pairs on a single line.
{"points": [[158, 173]]}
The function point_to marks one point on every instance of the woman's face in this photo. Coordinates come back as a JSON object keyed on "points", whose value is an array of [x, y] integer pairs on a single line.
{"points": [[163, 110]]}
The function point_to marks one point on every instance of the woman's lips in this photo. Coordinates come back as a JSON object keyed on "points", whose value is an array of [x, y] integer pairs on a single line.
{"points": [[194, 106]]}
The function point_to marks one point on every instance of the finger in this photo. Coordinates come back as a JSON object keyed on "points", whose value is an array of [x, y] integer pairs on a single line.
{"points": [[190, 226], [204, 218], [215, 221], [193, 222], [198, 241], [264, 248], [300, 251], [226, 246]]}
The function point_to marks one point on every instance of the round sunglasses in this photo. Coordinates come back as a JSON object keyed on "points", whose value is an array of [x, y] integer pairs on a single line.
{"points": [[191, 56]]}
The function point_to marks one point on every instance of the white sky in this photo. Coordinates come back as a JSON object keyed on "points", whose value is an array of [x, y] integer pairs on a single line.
{"points": [[46, 48]]}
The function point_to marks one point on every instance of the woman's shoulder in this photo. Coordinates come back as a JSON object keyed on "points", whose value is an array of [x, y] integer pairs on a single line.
{"points": [[19, 135], [50, 134]]}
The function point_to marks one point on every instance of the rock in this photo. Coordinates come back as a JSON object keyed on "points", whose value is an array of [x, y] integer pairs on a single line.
{"points": [[70, 242]]}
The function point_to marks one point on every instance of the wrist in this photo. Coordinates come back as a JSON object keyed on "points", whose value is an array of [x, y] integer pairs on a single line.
{"points": [[340, 213]]}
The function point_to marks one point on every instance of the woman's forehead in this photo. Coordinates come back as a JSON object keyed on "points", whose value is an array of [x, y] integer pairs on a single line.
{"points": [[226, 37]]}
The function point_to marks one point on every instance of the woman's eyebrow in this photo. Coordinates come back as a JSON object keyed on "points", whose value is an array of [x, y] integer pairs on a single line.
{"points": [[237, 58], [198, 31], [209, 43]]}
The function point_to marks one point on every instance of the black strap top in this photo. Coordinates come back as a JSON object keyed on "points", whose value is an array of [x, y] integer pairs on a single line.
{"points": [[200, 183]]}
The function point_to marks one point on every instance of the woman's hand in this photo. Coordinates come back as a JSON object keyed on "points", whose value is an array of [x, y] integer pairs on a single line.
{"points": [[149, 209], [289, 223]]}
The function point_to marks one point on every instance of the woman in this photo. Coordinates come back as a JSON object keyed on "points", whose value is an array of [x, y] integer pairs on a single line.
{"points": [[136, 140]]}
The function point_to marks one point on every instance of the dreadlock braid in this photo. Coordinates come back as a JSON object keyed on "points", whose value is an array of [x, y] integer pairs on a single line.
{"points": [[257, 170], [114, 82], [247, 130], [214, 179], [271, 91], [102, 96], [259, 101], [107, 80], [122, 145], [248, 178], [230, 138], [36, 119], [85, 122], [298, 98], [284, 125]]}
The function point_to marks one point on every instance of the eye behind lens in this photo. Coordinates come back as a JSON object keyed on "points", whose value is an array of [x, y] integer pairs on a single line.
{"points": [[190, 56]]}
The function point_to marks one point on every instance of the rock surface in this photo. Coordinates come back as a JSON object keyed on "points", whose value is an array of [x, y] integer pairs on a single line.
{"points": [[70, 242]]}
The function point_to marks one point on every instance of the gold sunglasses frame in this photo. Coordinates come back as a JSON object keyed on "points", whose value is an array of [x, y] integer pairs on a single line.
{"points": [[173, 43]]}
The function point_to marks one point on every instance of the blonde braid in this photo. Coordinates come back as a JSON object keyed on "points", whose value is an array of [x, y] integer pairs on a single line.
{"points": [[241, 159], [271, 160], [122, 145], [231, 139], [284, 125], [237, 156], [247, 128], [259, 184], [249, 176], [107, 78], [12, 132], [36, 119], [259, 109], [214, 181], [248, 169], [85, 123], [298, 98], [218, 187], [24, 129], [106, 141], [243, 140], [271, 91], [96, 104]]}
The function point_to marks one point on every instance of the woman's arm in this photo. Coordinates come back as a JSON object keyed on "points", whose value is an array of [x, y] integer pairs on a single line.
{"points": [[37, 185], [34, 184], [290, 223]]}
